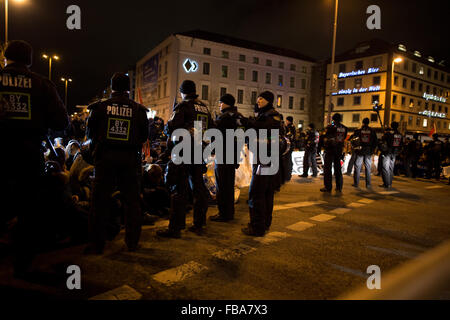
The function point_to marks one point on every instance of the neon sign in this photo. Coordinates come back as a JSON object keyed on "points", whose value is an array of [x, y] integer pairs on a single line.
{"points": [[434, 98], [356, 90], [190, 66], [433, 114], [358, 73]]}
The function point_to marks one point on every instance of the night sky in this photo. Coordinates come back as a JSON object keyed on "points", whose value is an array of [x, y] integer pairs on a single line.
{"points": [[115, 34]]}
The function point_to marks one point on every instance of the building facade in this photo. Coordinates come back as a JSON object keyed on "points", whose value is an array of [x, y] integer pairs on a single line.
{"points": [[219, 65], [413, 88]]}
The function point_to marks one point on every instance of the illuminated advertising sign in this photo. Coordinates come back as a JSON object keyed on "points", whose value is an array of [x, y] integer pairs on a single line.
{"points": [[190, 66], [433, 114], [434, 98], [357, 90], [358, 73]]}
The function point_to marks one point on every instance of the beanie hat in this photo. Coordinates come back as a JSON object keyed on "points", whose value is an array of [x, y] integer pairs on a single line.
{"points": [[228, 99], [19, 51], [366, 121], [337, 117], [267, 95], [188, 87], [290, 119], [120, 82]]}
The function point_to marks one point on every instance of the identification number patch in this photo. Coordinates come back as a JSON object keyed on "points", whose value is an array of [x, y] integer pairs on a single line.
{"points": [[118, 129], [16, 105]]}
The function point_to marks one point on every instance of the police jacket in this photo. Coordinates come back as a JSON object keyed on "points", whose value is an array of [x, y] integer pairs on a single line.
{"points": [[290, 133], [29, 106], [118, 123], [312, 140], [391, 142], [230, 118], [414, 148], [368, 139], [436, 148], [334, 138]]}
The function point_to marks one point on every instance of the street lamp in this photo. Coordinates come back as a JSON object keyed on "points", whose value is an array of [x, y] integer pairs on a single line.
{"points": [[6, 17], [66, 81], [333, 56], [387, 117], [50, 59]]}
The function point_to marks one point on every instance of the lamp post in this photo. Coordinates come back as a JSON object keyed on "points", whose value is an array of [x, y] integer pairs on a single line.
{"points": [[387, 116], [333, 56], [6, 17], [66, 81], [50, 59]]}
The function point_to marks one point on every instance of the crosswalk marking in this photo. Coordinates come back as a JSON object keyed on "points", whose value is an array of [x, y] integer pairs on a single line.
{"points": [[323, 218], [355, 205], [388, 192], [434, 187], [303, 204], [122, 293], [174, 275], [366, 201], [340, 211], [272, 237], [233, 253], [300, 226]]}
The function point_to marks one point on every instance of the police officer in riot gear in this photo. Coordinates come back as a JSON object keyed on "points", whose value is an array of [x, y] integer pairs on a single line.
{"points": [[312, 142], [290, 132], [118, 127], [229, 119], [29, 107], [390, 146], [367, 143], [435, 151], [414, 150], [186, 175], [261, 192], [334, 139]]}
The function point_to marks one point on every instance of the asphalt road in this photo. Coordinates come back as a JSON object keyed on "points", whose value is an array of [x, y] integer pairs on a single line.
{"points": [[319, 247]]}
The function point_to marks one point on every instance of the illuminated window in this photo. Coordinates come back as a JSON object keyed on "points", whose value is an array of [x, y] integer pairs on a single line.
{"points": [[411, 103], [279, 101], [425, 123], [421, 71]]}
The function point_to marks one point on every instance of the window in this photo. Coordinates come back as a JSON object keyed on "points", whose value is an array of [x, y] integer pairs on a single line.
{"points": [[165, 88], [436, 75], [159, 71], [254, 97], [356, 117], [403, 101], [410, 121], [406, 65], [302, 104], [224, 71], [241, 74], [396, 81], [281, 65], [394, 116], [240, 97], [413, 85], [446, 109], [292, 82], [373, 117], [448, 79], [242, 57], [419, 103], [280, 80], [206, 68], [434, 91], [433, 107], [165, 67], [159, 91], [438, 124], [375, 99], [304, 70], [269, 63], [440, 108], [420, 87], [225, 54], [442, 77], [255, 60], [303, 84], [414, 67], [359, 65], [291, 102], [421, 71], [426, 105], [223, 91], [376, 80], [428, 89], [340, 101], [377, 62], [293, 67], [357, 100], [268, 78], [405, 83], [255, 76], [341, 85], [394, 99], [418, 121], [205, 92], [425, 123], [411, 103], [429, 73], [358, 83], [342, 68], [207, 51], [279, 101]]}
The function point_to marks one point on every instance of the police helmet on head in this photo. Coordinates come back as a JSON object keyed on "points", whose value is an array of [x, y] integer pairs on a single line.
{"points": [[394, 125], [188, 87], [337, 117], [120, 82], [366, 121], [19, 51]]}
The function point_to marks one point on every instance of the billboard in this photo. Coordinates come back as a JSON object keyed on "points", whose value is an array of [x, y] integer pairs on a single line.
{"points": [[150, 70]]}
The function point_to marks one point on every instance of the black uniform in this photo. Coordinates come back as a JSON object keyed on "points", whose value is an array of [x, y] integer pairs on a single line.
{"points": [[261, 192], [30, 105], [435, 151], [226, 172], [391, 143], [334, 143], [414, 151], [184, 176], [311, 144], [118, 127], [368, 143], [290, 134]]}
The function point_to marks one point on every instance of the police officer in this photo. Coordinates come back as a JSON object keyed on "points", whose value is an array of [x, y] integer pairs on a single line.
{"points": [[334, 139], [435, 150], [391, 143], [229, 119], [290, 135], [190, 110], [414, 151], [261, 192], [29, 106], [117, 127], [312, 142], [368, 142]]}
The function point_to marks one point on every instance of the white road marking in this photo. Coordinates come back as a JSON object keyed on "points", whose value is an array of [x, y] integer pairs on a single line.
{"points": [[323, 218], [303, 204], [366, 201], [272, 237], [301, 226], [280, 207], [340, 211], [355, 205], [122, 293], [388, 192], [434, 187], [233, 253], [393, 251], [351, 271], [174, 275]]}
